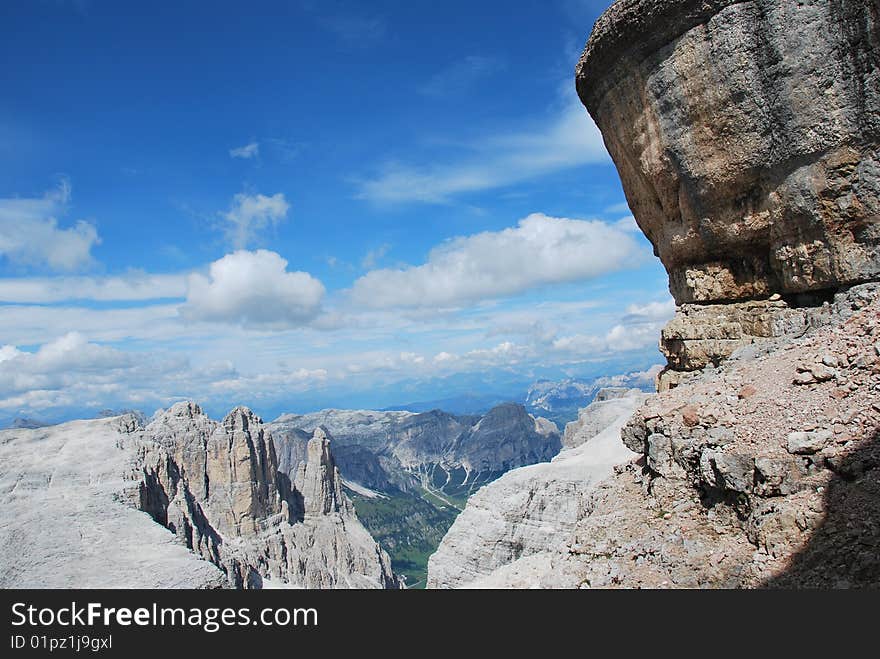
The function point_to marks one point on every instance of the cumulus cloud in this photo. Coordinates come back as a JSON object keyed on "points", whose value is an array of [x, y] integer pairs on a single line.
{"points": [[539, 250], [61, 363], [567, 140], [661, 311], [638, 329], [31, 236], [70, 374], [251, 214], [253, 289], [246, 152]]}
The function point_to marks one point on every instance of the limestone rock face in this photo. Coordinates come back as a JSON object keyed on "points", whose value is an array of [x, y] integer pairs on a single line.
{"points": [[535, 508], [64, 522], [218, 488], [507, 436], [318, 479], [746, 136], [608, 405]]}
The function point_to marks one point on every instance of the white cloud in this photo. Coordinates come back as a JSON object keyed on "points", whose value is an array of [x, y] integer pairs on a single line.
{"points": [[652, 311], [246, 152], [71, 374], [460, 76], [30, 235], [29, 324], [539, 250], [374, 256], [61, 363], [638, 329], [128, 287], [628, 223], [569, 139], [253, 289], [505, 353], [251, 214]]}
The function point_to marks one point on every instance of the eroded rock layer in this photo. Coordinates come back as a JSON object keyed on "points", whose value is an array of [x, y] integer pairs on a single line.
{"points": [[746, 136]]}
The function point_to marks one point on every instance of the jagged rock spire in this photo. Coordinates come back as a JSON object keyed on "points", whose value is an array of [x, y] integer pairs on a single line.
{"points": [[318, 478]]}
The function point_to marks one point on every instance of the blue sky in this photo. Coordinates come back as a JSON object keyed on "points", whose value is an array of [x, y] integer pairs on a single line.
{"points": [[306, 204]]}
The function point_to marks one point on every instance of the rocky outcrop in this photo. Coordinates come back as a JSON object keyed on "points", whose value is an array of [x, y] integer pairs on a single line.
{"points": [[64, 522], [506, 437], [746, 136], [766, 473], [317, 479], [218, 488], [609, 404], [75, 498], [534, 509]]}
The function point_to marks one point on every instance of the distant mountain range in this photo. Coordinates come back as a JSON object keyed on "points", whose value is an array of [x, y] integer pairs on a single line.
{"points": [[557, 400], [470, 403], [451, 455], [560, 400], [410, 473]]}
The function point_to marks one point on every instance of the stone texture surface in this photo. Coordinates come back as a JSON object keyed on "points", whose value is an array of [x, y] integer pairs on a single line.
{"points": [[535, 508], [317, 479], [64, 524], [746, 136], [185, 502], [608, 405]]}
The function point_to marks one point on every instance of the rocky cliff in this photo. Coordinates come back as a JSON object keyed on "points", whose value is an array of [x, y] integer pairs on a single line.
{"points": [[65, 524], [410, 474], [218, 487], [746, 136], [534, 509], [184, 502]]}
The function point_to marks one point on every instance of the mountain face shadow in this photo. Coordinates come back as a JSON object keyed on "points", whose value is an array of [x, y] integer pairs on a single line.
{"points": [[844, 551], [294, 498]]}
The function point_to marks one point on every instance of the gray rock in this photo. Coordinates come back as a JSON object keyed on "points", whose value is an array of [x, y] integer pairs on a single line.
{"points": [[735, 472], [744, 174], [607, 406], [807, 443], [528, 515], [746, 136], [64, 522], [406, 446], [774, 478], [217, 486], [661, 456]]}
